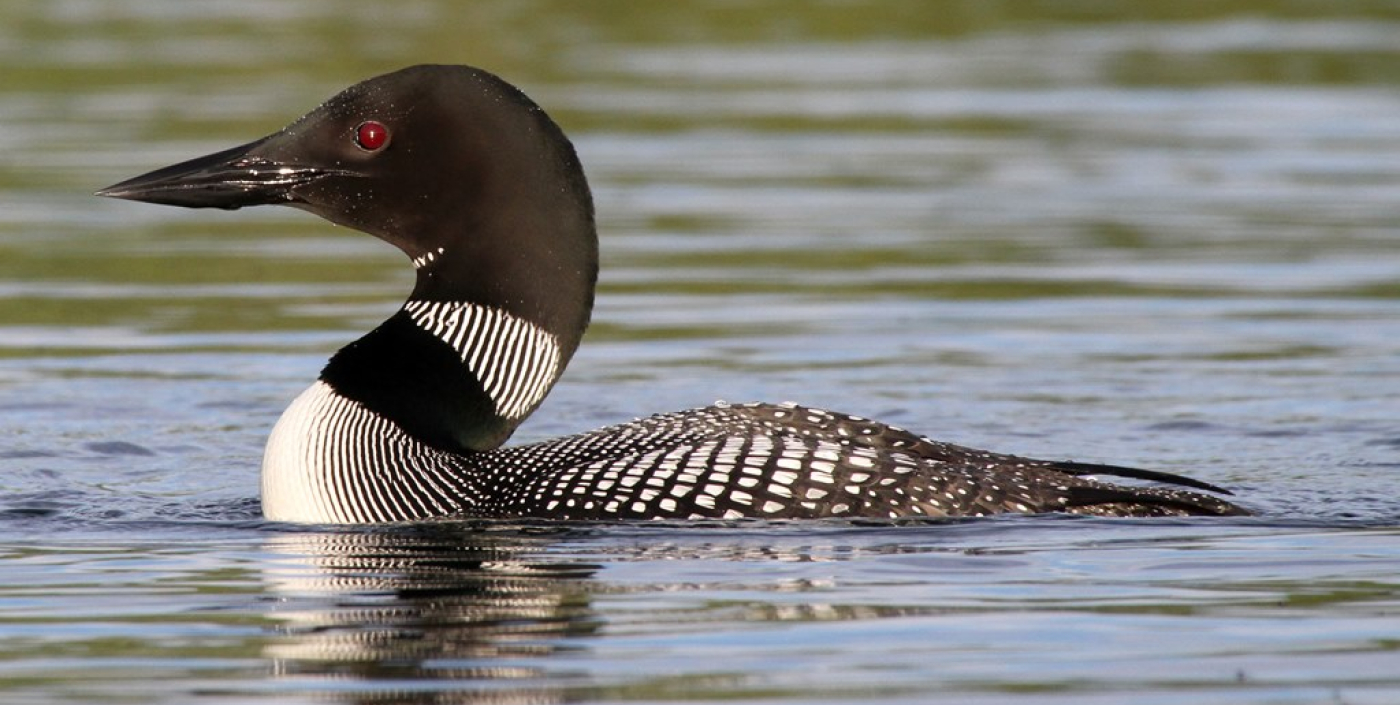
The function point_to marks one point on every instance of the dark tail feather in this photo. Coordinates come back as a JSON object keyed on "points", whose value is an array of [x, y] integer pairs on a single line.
{"points": [[1082, 469], [1200, 505]]}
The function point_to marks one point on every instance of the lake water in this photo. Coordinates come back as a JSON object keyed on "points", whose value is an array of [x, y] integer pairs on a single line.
{"points": [[1163, 234]]}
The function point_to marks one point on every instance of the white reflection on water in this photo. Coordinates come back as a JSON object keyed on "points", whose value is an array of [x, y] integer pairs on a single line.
{"points": [[550, 614]]}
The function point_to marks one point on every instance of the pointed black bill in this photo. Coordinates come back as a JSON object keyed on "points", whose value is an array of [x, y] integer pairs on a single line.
{"points": [[230, 179]]}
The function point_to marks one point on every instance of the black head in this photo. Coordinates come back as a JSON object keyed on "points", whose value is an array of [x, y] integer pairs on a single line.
{"points": [[450, 163], [463, 173]]}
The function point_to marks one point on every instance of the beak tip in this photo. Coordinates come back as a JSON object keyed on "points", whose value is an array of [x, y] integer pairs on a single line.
{"points": [[229, 180], [119, 192]]}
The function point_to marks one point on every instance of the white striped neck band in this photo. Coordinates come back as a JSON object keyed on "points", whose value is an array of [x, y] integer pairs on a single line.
{"points": [[516, 361]]}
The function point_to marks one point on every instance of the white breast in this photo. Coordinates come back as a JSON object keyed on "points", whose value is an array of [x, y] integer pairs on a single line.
{"points": [[294, 476]]}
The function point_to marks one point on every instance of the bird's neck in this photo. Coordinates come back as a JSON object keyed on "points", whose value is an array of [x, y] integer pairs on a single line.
{"points": [[487, 331], [507, 260]]}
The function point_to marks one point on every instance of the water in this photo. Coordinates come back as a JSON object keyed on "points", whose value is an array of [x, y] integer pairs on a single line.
{"points": [[1161, 234]]}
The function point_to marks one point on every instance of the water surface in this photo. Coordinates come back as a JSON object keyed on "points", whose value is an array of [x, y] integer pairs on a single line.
{"points": [[1161, 234]]}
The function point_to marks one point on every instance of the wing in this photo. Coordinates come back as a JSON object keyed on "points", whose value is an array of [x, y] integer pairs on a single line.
{"points": [[787, 461]]}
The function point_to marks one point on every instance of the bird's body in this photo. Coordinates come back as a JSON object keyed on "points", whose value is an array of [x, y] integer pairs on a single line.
{"points": [[486, 196]]}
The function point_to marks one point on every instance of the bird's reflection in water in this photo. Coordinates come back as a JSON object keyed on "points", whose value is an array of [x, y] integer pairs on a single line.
{"points": [[425, 614], [496, 613]]}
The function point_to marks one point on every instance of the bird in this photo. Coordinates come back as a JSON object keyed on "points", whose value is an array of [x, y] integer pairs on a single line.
{"points": [[487, 197]]}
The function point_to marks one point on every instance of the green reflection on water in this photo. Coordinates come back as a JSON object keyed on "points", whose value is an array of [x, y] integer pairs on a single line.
{"points": [[94, 92]]}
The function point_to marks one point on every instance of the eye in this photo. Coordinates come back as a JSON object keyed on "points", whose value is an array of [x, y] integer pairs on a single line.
{"points": [[371, 135]]}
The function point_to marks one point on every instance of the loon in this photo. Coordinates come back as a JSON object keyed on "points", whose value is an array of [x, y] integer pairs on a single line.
{"points": [[485, 194]]}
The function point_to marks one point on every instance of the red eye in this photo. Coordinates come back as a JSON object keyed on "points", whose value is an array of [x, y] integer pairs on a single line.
{"points": [[371, 135]]}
